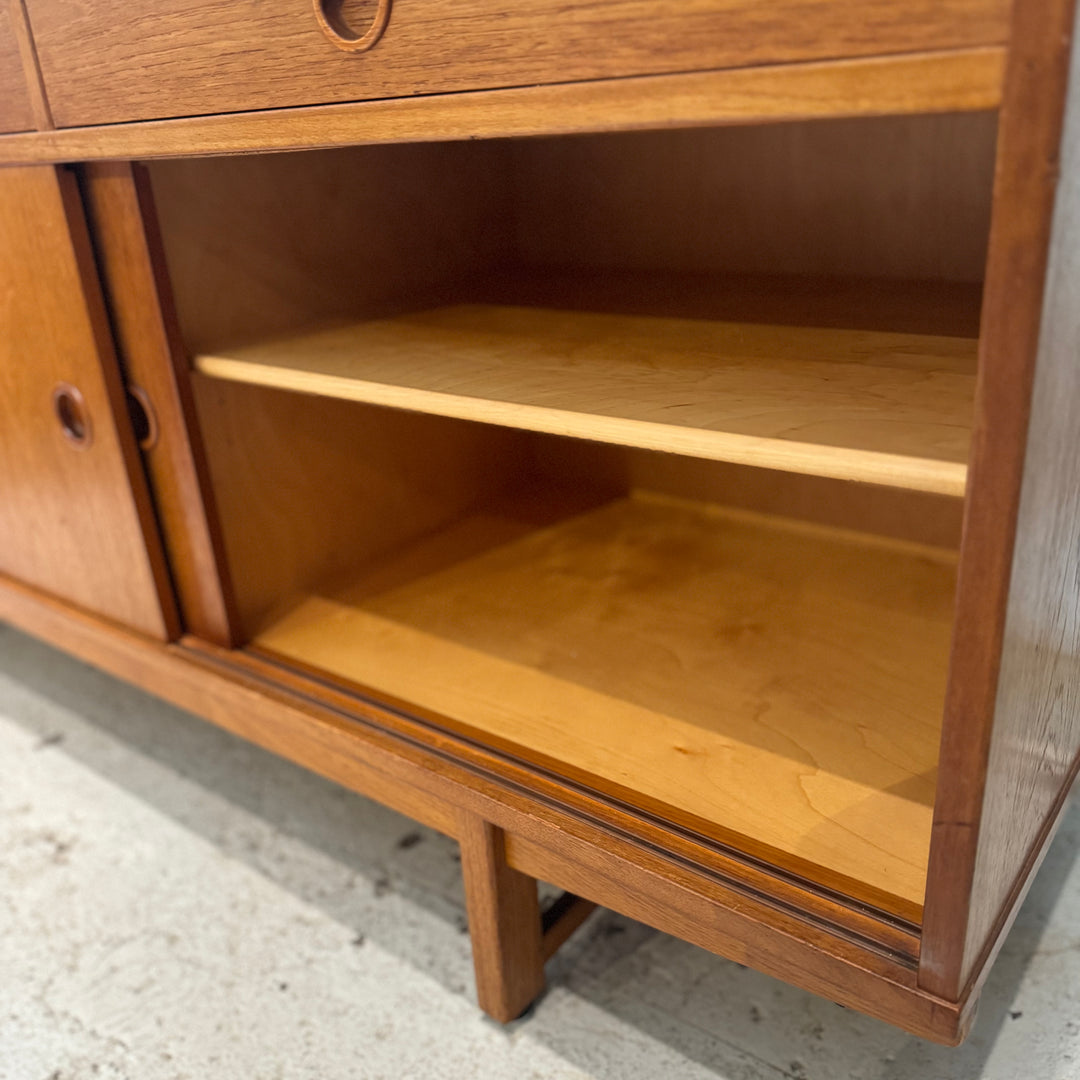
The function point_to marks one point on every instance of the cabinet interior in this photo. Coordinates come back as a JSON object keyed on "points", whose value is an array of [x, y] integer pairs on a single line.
{"points": [[486, 422]]}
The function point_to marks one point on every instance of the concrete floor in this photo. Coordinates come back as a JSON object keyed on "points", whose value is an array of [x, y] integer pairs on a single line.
{"points": [[177, 904]]}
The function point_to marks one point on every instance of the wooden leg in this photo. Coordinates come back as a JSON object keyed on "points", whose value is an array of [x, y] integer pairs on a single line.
{"points": [[504, 923]]}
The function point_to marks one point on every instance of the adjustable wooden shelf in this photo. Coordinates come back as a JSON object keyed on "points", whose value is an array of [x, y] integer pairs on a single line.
{"points": [[854, 405], [650, 466]]}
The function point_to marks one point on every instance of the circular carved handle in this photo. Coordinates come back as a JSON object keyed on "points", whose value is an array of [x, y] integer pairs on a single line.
{"points": [[143, 418], [333, 17], [71, 411]]}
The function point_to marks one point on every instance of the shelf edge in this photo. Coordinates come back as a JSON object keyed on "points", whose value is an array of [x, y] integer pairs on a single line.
{"points": [[811, 459]]}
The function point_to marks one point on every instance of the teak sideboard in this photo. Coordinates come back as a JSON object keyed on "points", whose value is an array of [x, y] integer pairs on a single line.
{"points": [[635, 438]]}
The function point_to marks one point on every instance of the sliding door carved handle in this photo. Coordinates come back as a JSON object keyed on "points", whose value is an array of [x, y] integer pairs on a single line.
{"points": [[143, 417], [70, 408], [336, 20]]}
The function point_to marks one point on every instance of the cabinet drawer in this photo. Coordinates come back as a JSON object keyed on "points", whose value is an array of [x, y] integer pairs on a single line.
{"points": [[15, 112], [192, 57]]}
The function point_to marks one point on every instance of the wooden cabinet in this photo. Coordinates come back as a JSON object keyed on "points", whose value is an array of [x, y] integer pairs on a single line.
{"points": [[75, 514], [683, 517], [603, 503]]}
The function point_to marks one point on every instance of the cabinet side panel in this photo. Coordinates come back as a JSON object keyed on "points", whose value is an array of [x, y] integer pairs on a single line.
{"points": [[1036, 735], [1009, 733]]}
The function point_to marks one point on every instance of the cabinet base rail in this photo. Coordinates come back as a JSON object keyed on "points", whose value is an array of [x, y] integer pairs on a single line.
{"points": [[510, 839]]}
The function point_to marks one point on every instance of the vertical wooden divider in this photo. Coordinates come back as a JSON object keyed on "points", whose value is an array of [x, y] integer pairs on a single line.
{"points": [[504, 922]]}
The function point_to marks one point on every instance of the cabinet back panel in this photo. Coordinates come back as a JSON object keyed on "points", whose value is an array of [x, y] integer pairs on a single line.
{"points": [[903, 515], [266, 245], [900, 197]]}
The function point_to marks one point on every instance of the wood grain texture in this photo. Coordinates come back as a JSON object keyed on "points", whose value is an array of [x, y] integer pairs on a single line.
{"points": [[350, 29], [264, 246], [121, 217], [901, 197], [639, 647], [347, 484], [958, 920], [1036, 735], [884, 511], [756, 880], [733, 908], [261, 246], [684, 291], [915, 307], [928, 307], [854, 405], [664, 901], [16, 113], [196, 57], [33, 80], [75, 521], [960, 80], [504, 923]]}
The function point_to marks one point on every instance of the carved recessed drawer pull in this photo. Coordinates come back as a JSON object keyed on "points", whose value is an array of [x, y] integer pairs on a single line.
{"points": [[70, 408], [353, 25]]}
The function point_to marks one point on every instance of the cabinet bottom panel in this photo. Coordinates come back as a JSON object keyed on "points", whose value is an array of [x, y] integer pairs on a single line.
{"points": [[773, 685]]}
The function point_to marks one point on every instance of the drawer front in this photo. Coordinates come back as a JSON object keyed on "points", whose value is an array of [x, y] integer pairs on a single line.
{"points": [[105, 62], [15, 114], [75, 514]]}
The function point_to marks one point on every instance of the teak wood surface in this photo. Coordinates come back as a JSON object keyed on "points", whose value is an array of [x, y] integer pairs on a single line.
{"points": [[195, 56], [884, 224], [1010, 738], [1037, 712], [504, 922], [912, 83], [260, 247], [880, 200], [75, 519], [569, 842], [16, 112], [136, 286], [1009, 746]]}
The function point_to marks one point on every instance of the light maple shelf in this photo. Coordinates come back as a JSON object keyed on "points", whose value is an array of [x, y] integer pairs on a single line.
{"points": [[865, 405], [773, 685]]}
